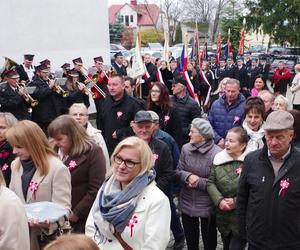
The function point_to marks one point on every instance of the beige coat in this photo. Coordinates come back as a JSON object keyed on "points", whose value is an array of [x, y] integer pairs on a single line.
{"points": [[14, 234], [295, 89], [99, 140], [54, 187]]}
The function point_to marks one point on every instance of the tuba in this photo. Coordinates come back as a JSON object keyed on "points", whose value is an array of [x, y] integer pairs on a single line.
{"points": [[8, 65]]}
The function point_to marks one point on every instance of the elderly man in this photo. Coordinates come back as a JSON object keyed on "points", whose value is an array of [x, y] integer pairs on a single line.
{"points": [[268, 200], [185, 105], [227, 112], [117, 111], [144, 127], [268, 99], [80, 114]]}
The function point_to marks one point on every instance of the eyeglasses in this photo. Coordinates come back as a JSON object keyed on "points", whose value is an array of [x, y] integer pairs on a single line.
{"points": [[128, 163]]}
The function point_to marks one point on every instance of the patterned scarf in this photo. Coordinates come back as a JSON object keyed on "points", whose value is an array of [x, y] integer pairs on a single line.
{"points": [[116, 205]]}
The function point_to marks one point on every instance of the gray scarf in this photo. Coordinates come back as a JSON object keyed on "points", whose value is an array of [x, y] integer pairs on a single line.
{"points": [[117, 207]]}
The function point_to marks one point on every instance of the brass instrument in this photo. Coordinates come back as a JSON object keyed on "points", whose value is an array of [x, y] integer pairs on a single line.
{"points": [[8, 65], [87, 91], [27, 97], [59, 90], [93, 80]]}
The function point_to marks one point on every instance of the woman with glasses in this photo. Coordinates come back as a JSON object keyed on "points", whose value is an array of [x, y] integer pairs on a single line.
{"points": [[86, 163], [159, 102], [130, 212]]}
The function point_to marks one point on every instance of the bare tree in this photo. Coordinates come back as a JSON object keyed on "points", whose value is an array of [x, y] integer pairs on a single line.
{"points": [[199, 10], [219, 8], [173, 13]]}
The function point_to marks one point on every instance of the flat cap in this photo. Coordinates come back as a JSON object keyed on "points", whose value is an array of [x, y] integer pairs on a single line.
{"points": [[178, 79], [279, 120], [142, 116]]}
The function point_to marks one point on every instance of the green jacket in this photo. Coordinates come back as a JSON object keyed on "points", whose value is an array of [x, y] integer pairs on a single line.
{"points": [[223, 183]]}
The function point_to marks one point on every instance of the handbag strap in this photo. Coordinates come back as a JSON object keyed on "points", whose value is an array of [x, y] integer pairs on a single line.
{"points": [[122, 242]]}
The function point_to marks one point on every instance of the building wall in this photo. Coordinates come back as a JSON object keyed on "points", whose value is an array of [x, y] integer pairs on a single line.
{"points": [[59, 30], [128, 11]]}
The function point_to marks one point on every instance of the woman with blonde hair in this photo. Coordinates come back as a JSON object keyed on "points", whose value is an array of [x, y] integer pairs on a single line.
{"points": [[130, 211], [281, 103], [86, 163], [37, 172], [295, 88], [14, 228], [7, 120], [72, 242]]}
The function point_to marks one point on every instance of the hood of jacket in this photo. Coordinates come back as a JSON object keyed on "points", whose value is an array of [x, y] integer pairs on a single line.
{"points": [[223, 157]]}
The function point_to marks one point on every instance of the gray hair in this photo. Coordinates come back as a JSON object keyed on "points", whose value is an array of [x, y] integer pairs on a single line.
{"points": [[9, 118]]}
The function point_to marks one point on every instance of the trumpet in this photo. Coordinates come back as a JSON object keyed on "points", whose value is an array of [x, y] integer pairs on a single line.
{"points": [[59, 90], [27, 97], [87, 91], [93, 80]]}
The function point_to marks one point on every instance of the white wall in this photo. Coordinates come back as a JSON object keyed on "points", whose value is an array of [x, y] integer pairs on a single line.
{"points": [[128, 11], [59, 30]]}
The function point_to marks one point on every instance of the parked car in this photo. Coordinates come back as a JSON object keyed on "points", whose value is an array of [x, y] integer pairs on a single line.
{"points": [[155, 46], [289, 61], [277, 50], [114, 48]]}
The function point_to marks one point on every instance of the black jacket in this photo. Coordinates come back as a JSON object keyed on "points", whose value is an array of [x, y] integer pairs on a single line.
{"points": [[187, 109], [12, 102], [167, 76], [50, 104], [242, 73], [232, 71], [6, 158], [252, 73], [264, 70], [147, 85], [270, 218], [21, 71], [116, 116], [163, 164], [170, 122], [120, 70]]}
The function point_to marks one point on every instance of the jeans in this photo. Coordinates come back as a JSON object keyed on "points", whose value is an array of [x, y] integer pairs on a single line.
{"points": [[208, 232], [176, 226]]}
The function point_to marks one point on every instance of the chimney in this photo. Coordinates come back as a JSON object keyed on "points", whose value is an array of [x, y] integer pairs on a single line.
{"points": [[133, 2]]}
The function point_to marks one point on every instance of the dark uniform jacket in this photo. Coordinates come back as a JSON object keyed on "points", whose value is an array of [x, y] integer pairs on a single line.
{"points": [[232, 71], [21, 71], [220, 74], [187, 109], [50, 104], [116, 116], [76, 96], [267, 213], [242, 73], [13, 102], [147, 85], [252, 73], [120, 70], [87, 176], [264, 70]]}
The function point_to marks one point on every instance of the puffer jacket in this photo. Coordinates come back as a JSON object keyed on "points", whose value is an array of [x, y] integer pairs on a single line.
{"points": [[223, 117], [223, 183], [197, 160]]}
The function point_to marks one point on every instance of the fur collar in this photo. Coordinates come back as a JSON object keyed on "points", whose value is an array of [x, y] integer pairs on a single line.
{"points": [[223, 157]]}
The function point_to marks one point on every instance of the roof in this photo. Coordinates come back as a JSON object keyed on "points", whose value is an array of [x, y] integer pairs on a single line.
{"points": [[143, 10]]}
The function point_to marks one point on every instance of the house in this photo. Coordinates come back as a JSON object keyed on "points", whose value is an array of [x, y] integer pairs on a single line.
{"points": [[142, 16]]}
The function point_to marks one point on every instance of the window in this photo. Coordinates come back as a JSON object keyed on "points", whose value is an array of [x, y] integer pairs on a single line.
{"points": [[122, 19], [126, 20], [131, 18]]}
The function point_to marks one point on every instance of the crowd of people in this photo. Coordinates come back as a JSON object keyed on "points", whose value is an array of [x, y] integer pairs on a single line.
{"points": [[216, 137]]}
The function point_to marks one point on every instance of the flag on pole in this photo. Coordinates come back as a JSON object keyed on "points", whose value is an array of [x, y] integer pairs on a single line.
{"points": [[184, 58], [219, 48], [138, 68], [203, 56], [228, 48], [242, 40]]}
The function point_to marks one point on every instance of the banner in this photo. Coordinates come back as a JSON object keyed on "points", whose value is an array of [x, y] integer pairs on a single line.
{"points": [[138, 67]]}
